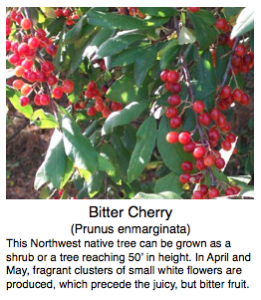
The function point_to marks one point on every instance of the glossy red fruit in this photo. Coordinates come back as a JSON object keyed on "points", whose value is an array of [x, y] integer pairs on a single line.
{"points": [[229, 192], [174, 100], [171, 112], [197, 195], [231, 137], [198, 106], [214, 134], [184, 138], [47, 67], [92, 85], [58, 12], [213, 192], [33, 43], [52, 80], [57, 92], [68, 86], [223, 104], [18, 84], [226, 128], [187, 166], [221, 23], [236, 189], [19, 71], [236, 60], [37, 100], [220, 163], [175, 122], [225, 91], [27, 64], [91, 111], [26, 89], [66, 12], [8, 45], [40, 33], [172, 137], [173, 76], [99, 106], [115, 106], [164, 75], [237, 95], [209, 160], [24, 101], [248, 59], [23, 49], [199, 152], [106, 112], [8, 30], [229, 100], [221, 121], [204, 119], [41, 77], [184, 178], [26, 24], [204, 189], [226, 145], [32, 76], [200, 164], [214, 113], [222, 39], [240, 50], [189, 148], [245, 100], [193, 9], [44, 99]]}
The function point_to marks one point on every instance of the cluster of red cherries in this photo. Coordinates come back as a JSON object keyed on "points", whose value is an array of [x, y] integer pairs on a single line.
{"points": [[101, 103], [67, 13], [215, 128], [31, 70], [132, 11]]}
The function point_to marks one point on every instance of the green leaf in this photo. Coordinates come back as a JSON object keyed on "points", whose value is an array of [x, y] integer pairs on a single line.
{"points": [[55, 26], [76, 32], [79, 54], [245, 22], [124, 116], [115, 44], [203, 22], [113, 21], [163, 195], [186, 36], [77, 147], [125, 90], [146, 136], [126, 57], [104, 164], [159, 11], [154, 22], [221, 61], [231, 12], [170, 183], [54, 166], [48, 11], [172, 154], [95, 183], [68, 172], [169, 57], [14, 97], [143, 64], [44, 119], [58, 57]]}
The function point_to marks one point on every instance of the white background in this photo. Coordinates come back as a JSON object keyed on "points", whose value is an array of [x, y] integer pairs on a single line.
{"points": [[238, 221]]}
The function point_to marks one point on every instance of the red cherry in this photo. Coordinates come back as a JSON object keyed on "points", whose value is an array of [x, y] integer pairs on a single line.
{"points": [[248, 59], [171, 112], [223, 104], [174, 100], [99, 106], [33, 43], [40, 33], [237, 95], [52, 80], [213, 193], [214, 113], [229, 100], [200, 164], [51, 49], [187, 166], [45, 99], [214, 134], [66, 12], [26, 24], [115, 106], [92, 85], [172, 137], [23, 49], [222, 39], [8, 45], [106, 112], [189, 147], [197, 195], [175, 122], [240, 50], [164, 75], [199, 152], [209, 160], [57, 92], [18, 84], [221, 23], [19, 71], [26, 89], [24, 101], [8, 22], [8, 30], [226, 127], [229, 192], [204, 189], [184, 178], [41, 77], [225, 91], [37, 100], [226, 145], [184, 137], [236, 189], [47, 67], [58, 12], [193, 9], [236, 60], [27, 64], [245, 100], [204, 119], [231, 137], [173, 76], [32, 76], [68, 86], [91, 111], [220, 163], [198, 106], [221, 121]]}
